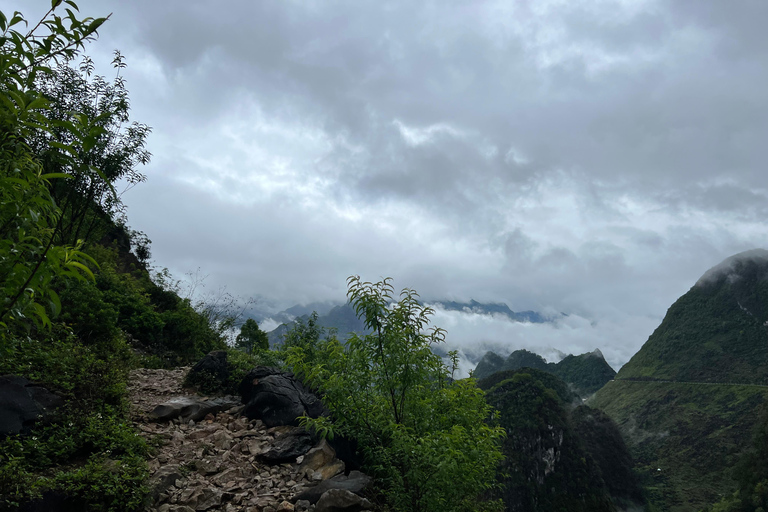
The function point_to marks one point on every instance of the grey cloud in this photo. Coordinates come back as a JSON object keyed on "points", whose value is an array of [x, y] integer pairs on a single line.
{"points": [[593, 158]]}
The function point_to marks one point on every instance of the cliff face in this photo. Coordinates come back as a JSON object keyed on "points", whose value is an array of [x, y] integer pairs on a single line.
{"points": [[687, 401], [554, 459]]}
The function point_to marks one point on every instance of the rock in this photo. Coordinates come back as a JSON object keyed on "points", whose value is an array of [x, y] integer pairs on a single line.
{"points": [[277, 398], [301, 506], [208, 499], [341, 500], [213, 368], [285, 506], [23, 403], [163, 479], [288, 446], [330, 470], [318, 456], [355, 482], [190, 408]]}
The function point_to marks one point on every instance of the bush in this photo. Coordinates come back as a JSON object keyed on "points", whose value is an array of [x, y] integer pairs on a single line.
{"points": [[423, 435]]}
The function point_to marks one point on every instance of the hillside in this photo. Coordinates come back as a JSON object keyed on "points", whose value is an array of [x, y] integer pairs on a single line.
{"points": [[586, 372], [688, 401], [557, 457]]}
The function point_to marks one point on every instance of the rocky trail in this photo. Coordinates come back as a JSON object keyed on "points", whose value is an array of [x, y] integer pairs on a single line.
{"points": [[209, 457]]}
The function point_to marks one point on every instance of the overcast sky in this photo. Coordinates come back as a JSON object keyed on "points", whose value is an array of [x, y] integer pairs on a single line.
{"points": [[593, 158]]}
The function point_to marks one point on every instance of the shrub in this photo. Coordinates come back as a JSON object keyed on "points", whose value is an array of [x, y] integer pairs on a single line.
{"points": [[422, 434]]}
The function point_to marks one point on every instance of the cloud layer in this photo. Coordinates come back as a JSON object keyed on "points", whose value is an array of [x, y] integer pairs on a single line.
{"points": [[593, 158]]}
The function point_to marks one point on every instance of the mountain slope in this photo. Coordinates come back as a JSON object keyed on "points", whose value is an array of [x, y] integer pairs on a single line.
{"points": [[687, 401], [557, 457]]}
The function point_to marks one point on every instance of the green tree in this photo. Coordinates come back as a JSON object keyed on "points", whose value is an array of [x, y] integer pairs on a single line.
{"points": [[251, 338], [30, 257], [422, 435]]}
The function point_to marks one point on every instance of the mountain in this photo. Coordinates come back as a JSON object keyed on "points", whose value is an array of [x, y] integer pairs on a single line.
{"points": [[341, 318], [490, 309], [586, 372], [687, 402], [557, 456], [344, 320]]}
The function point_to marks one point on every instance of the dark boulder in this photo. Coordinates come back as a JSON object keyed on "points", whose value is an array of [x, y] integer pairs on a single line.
{"points": [[355, 483], [211, 373], [23, 403], [288, 446], [277, 398]]}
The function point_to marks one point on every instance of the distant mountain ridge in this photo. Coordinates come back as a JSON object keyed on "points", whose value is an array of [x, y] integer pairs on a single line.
{"points": [[490, 309], [343, 318], [586, 372]]}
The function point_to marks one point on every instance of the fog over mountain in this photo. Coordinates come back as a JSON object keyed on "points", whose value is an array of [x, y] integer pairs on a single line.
{"points": [[590, 158]]}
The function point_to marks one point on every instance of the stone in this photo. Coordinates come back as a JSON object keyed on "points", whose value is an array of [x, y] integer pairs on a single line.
{"points": [[277, 398], [330, 470], [285, 506], [188, 408], [355, 482], [212, 366], [209, 498], [301, 506], [289, 446], [341, 500], [23, 403], [163, 479], [318, 456]]}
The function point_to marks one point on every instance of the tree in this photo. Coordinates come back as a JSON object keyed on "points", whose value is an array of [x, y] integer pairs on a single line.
{"points": [[422, 435], [110, 147], [251, 337], [30, 258]]}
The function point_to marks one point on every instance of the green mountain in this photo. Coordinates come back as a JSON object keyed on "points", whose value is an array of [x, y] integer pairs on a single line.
{"points": [[586, 372], [557, 457], [687, 402]]}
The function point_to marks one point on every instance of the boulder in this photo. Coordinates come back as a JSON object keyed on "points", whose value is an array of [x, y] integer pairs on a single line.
{"points": [[163, 479], [23, 403], [341, 500], [191, 408], [277, 398], [288, 446], [355, 483], [213, 370], [318, 456]]}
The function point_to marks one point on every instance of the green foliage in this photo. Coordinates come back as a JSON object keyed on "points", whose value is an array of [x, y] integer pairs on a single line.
{"points": [[423, 436], [713, 333], [307, 337], [90, 452], [111, 151], [239, 363], [751, 474], [251, 338], [684, 437], [546, 467], [30, 260], [586, 372], [111, 478]]}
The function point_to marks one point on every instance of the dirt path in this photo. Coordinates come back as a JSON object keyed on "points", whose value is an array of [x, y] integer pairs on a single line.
{"points": [[210, 465]]}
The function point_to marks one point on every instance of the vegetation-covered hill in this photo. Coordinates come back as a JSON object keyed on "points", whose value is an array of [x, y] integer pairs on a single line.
{"points": [[586, 372], [687, 402], [557, 456], [714, 333]]}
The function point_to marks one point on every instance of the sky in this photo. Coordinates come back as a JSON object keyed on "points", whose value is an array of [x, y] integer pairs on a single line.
{"points": [[592, 158]]}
